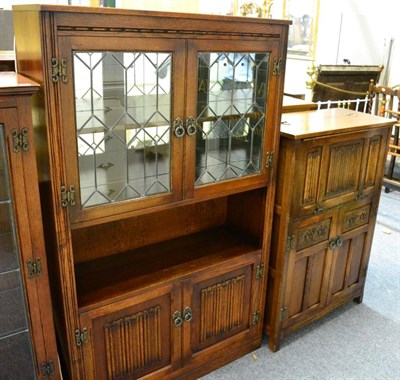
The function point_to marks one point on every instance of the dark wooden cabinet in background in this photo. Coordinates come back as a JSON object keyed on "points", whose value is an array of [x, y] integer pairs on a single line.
{"points": [[156, 137], [330, 174], [27, 338]]}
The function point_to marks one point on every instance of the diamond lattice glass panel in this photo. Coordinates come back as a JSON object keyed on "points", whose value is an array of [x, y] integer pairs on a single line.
{"points": [[123, 112], [231, 98]]}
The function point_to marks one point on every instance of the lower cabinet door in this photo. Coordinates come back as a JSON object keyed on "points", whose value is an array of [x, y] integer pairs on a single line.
{"points": [[133, 337], [224, 304], [308, 266], [351, 254]]}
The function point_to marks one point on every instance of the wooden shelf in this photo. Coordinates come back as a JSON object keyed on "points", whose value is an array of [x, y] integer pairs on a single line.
{"points": [[103, 281]]}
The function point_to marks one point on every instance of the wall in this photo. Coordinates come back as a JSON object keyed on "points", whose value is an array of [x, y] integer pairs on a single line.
{"points": [[358, 30]]}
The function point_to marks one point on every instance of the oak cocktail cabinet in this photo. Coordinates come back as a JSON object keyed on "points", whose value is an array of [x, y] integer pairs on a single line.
{"points": [[156, 136], [329, 179]]}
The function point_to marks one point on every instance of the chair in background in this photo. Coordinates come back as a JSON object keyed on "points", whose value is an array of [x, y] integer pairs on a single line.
{"points": [[385, 101]]}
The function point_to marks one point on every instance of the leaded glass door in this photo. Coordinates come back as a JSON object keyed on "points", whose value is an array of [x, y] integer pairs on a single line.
{"points": [[230, 96], [122, 124]]}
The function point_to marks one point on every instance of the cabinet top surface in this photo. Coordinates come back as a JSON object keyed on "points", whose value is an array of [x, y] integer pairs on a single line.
{"points": [[131, 12], [11, 81], [310, 124]]}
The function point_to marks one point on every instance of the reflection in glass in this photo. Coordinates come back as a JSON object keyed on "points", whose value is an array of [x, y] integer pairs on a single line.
{"points": [[123, 112], [15, 338], [231, 100]]}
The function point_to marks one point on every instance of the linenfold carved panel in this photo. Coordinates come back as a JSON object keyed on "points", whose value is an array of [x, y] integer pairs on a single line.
{"points": [[221, 307], [311, 177], [344, 168], [133, 342], [373, 157]]}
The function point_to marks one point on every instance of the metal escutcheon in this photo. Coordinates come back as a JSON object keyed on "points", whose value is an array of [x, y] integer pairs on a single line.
{"points": [[187, 314], [178, 127], [177, 319], [339, 242], [191, 126]]}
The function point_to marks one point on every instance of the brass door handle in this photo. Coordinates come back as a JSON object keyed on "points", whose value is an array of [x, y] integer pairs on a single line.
{"points": [[177, 127], [187, 314], [191, 126], [177, 319]]}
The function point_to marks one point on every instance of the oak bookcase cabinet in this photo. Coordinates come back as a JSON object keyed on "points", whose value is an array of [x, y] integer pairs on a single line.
{"points": [[330, 175], [156, 136], [27, 338]]}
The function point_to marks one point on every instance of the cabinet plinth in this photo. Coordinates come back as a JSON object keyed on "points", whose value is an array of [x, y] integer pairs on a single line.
{"points": [[155, 135], [330, 175]]}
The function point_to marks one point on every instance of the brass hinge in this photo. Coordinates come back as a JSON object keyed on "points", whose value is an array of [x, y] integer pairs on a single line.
{"points": [[269, 160], [47, 369], [59, 70], [259, 272], [284, 314], [81, 337], [256, 318], [34, 267], [290, 242], [20, 140], [67, 196], [277, 70]]}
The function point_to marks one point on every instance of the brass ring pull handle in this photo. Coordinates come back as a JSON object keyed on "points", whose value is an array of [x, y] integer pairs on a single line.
{"points": [[339, 242], [179, 131], [332, 244], [191, 126], [187, 314], [177, 319]]}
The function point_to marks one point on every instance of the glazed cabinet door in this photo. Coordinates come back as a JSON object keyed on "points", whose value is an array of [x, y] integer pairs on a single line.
{"points": [[220, 308], [232, 97], [121, 112], [308, 267], [352, 249], [134, 337]]}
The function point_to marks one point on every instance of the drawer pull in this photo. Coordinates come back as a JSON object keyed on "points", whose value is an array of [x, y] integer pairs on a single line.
{"points": [[191, 126], [179, 131], [187, 314], [339, 242], [177, 319], [332, 244]]}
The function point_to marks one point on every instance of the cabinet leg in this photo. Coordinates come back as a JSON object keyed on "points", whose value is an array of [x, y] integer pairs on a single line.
{"points": [[359, 299], [274, 344]]}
